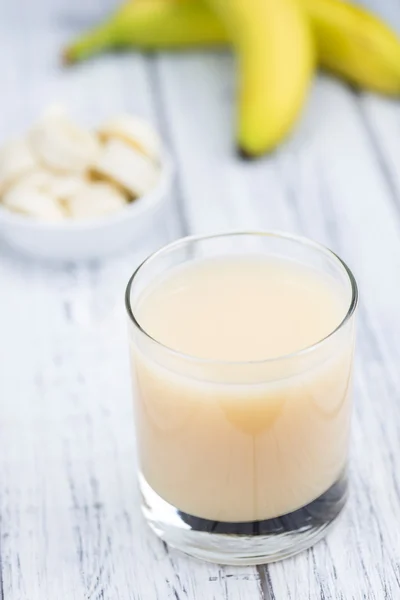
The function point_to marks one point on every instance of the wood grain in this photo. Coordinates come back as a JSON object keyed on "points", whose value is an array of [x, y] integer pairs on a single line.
{"points": [[328, 183], [69, 520]]}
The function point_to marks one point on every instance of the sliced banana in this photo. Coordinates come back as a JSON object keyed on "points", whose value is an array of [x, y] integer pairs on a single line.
{"points": [[16, 161], [136, 132], [96, 199], [61, 145], [128, 168], [61, 187], [33, 202], [61, 171], [65, 187], [39, 179]]}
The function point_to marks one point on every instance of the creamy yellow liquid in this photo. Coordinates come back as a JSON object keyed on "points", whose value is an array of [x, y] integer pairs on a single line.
{"points": [[254, 440]]}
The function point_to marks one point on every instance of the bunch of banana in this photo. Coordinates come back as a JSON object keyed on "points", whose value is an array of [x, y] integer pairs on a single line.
{"points": [[274, 40]]}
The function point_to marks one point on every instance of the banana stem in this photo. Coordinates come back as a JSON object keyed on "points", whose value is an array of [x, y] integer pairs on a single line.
{"points": [[151, 25], [97, 39]]}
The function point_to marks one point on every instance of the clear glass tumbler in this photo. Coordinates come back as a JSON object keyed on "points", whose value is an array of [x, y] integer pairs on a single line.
{"points": [[242, 462]]}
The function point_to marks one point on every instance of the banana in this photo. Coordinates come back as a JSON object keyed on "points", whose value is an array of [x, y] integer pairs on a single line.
{"points": [[351, 42], [33, 202], [275, 52], [53, 198], [62, 146], [62, 172], [39, 179], [272, 37], [151, 24], [16, 161], [123, 165], [96, 199], [60, 187], [63, 187], [356, 45], [43, 194], [134, 131]]}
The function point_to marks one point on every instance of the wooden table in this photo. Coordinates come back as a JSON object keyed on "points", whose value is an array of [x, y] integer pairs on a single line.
{"points": [[69, 521]]}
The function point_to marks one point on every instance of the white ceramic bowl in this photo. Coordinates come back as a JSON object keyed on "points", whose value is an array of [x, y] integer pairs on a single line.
{"points": [[87, 238]]}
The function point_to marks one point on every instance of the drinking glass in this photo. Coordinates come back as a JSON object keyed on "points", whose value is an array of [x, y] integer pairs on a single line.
{"points": [[242, 462]]}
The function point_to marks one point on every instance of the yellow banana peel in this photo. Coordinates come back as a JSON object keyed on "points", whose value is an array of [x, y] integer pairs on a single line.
{"points": [[151, 25], [274, 48], [275, 51]]}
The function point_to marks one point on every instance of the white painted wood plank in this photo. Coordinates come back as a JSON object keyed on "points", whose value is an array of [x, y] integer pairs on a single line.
{"points": [[388, 10], [70, 521], [382, 116], [325, 182], [70, 525]]}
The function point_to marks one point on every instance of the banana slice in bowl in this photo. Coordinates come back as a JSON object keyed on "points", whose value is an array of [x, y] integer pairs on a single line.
{"points": [[135, 132], [61, 145], [33, 202], [126, 167], [87, 237], [67, 193], [16, 161], [97, 199], [64, 187]]}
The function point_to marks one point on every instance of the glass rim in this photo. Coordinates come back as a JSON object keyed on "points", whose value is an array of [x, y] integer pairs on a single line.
{"points": [[262, 234]]}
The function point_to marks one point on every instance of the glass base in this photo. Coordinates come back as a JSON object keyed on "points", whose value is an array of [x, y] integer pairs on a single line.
{"points": [[249, 543]]}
